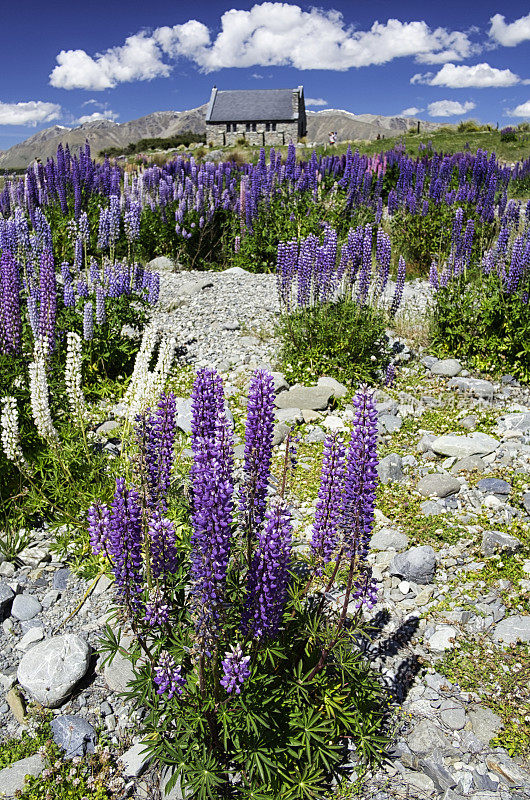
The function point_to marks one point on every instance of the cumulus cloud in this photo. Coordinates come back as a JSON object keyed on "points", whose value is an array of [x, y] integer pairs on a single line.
{"points": [[315, 101], [512, 34], [29, 113], [522, 110], [466, 77], [269, 34], [97, 115], [411, 112], [449, 108]]}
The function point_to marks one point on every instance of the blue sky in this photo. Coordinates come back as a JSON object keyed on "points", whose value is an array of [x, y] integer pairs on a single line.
{"points": [[122, 59]]}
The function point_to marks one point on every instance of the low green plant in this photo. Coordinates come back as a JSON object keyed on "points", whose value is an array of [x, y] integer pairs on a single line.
{"points": [[343, 339], [477, 321]]}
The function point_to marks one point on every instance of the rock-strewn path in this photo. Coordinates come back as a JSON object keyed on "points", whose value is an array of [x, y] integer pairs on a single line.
{"points": [[455, 501]]}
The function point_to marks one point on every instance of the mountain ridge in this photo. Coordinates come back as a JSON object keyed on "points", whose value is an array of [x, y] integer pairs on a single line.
{"points": [[102, 134]]}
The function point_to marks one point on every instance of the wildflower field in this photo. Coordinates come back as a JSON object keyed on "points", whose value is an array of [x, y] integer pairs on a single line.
{"points": [[245, 629]]}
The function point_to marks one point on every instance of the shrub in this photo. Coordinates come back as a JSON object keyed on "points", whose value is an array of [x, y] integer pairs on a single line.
{"points": [[508, 135], [342, 339]]}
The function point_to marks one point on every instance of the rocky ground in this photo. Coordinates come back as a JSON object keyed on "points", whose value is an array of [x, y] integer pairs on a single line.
{"points": [[451, 552]]}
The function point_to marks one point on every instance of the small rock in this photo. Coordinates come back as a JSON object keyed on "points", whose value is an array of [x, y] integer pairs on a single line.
{"points": [[526, 502], [6, 599], [315, 398], [7, 569], [499, 542], [473, 386], [134, 760], [485, 723], [390, 469], [30, 638], [315, 436], [338, 389], [453, 715], [119, 673], [162, 264], [280, 382], [438, 484], [17, 706], [474, 444], [448, 367], [388, 539], [469, 464], [280, 433], [25, 606], [417, 564], [513, 629], [494, 486], [430, 508], [290, 416], [51, 669], [390, 423], [441, 638], [74, 735], [60, 578], [426, 737], [12, 778], [107, 427], [509, 772], [441, 776]]}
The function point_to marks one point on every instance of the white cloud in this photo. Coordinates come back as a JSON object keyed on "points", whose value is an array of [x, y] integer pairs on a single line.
{"points": [[466, 77], [411, 112], [29, 113], [522, 110], [138, 59], [257, 76], [315, 101], [449, 108], [269, 34], [512, 34], [105, 114]]}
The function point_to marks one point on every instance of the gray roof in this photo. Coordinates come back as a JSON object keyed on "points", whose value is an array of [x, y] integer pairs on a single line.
{"points": [[251, 105]]}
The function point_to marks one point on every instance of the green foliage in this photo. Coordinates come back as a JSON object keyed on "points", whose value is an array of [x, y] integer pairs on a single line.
{"points": [[508, 135], [501, 676], [475, 320], [344, 340], [27, 745], [422, 239], [153, 143]]}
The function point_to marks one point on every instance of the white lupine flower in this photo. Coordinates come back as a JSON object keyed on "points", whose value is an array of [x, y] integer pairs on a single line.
{"points": [[72, 373], [10, 432], [166, 354], [138, 386], [39, 394]]}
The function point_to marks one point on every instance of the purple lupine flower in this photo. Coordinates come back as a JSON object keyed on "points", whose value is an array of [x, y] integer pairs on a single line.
{"points": [[68, 295], [100, 305], [103, 229], [82, 288], [433, 275], [168, 676], [258, 450], [390, 375], [361, 479], [383, 256], [125, 542], [365, 273], [237, 244], [98, 526], [48, 298], [88, 322], [325, 529], [131, 221], [114, 218], [235, 668], [156, 609], [157, 437], [84, 228], [10, 312], [268, 574], [212, 482], [400, 285], [162, 545], [153, 288]]}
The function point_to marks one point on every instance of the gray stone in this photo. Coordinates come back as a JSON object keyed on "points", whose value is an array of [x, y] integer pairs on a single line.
{"points": [[134, 760], [494, 486], [485, 723], [474, 444], [34, 554], [74, 735], [235, 271], [7, 569], [280, 433], [389, 423], [390, 468], [315, 398], [338, 389], [12, 778], [162, 264], [419, 781], [441, 776], [51, 669], [315, 436], [448, 367], [526, 502], [50, 598], [508, 771], [469, 422], [517, 422], [426, 737], [388, 539], [430, 508], [453, 714], [60, 578], [469, 464], [107, 427], [119, 673], [184, 411], [31, 637], [6, 599], [192, 287], [499, 542], [280, 382], [474, 386], [484, 783], [438, 484], [513, 629], [441, 640], [291, 416], [417, 564], [25, 606]]}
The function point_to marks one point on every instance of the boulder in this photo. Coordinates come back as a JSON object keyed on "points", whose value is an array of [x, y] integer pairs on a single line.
{"points": [[417, 564], [390, 468], [315, 398], [513, 629], [494, 486], [485, 723], [51, 669], [442, 638], [448, 367], [499, 542], [474, 444], [74, 735], [13, 777], [438, 484], [388, 539], [339, 390], [473, 386], [162, 264], [25, 606]]}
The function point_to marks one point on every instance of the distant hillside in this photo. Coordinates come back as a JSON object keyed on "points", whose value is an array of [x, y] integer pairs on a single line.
{"points": [[103, 134]]}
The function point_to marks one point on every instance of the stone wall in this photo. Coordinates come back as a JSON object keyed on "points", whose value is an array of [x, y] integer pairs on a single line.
{"points": [[218, 136]]}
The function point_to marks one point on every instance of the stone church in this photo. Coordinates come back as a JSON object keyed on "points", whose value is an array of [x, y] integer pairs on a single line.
{"points": [[260, 116]]}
